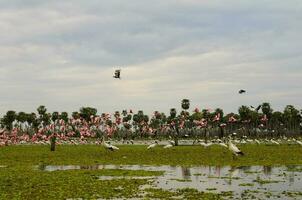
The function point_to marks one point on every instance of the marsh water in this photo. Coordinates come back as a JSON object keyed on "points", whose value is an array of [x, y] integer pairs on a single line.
{"points": [[274, 182]]}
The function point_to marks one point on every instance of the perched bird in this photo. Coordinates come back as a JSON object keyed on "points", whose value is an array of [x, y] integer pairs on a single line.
{"points": [[117, 74], [151, 146], [241, 91], [234, 149]]}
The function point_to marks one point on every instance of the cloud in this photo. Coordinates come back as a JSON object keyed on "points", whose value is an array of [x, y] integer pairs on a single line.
{"points": [[63, 54]]}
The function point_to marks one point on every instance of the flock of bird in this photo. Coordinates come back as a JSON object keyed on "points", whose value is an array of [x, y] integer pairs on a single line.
{"points": [[229, 143]]}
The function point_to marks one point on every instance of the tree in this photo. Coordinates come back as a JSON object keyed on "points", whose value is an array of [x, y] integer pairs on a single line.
{"points": [[8, 119], [266, 109], [55, 116], [244, 113], [21, 118], [64, 116], [185, 104], [86, 112], [292, 117], [173, 113], [41, 110]]}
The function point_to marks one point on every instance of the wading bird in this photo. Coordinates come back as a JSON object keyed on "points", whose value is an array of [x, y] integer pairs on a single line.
{"points": [[234, 149], [151, 146], [117, 74], [110, 146], [172, 143]]}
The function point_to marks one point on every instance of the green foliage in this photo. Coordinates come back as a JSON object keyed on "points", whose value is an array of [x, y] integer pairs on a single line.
{"points": [[8, 119], [185, 104], [55, 116], [86, 112]]}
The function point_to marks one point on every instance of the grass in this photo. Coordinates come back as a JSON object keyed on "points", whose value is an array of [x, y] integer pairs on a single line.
{"points": [[19, 179], [182, 155]]}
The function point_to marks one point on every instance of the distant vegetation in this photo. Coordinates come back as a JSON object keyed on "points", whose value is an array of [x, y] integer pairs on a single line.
{"points": [[262, 121]]}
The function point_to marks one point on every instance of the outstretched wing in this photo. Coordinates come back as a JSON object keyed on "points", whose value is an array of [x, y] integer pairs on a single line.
{"points": [[241, 91], [117, 73]]}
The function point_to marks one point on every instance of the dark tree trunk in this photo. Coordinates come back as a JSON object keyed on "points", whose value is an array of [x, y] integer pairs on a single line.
{"points": [[53, 144], [176, 136], [221, 134]]}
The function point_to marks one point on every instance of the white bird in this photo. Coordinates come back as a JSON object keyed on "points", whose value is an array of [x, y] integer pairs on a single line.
{"points": [[205, 144], [151, 146], [257, 141], [234, 149], [274, 142], [299, 142], [168, 146], [110, 147], [223, 144]]}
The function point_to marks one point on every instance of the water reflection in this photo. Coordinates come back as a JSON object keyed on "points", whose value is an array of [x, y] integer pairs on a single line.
{"points": [[276, 180]]}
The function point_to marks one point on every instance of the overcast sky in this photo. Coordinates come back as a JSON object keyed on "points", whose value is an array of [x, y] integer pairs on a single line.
{"points": [[62, 54]]}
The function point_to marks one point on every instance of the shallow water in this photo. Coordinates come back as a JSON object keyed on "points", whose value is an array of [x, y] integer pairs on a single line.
{"points": [[260, 181]]}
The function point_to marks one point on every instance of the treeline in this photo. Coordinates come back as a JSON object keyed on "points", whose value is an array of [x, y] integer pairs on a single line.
{"points": [[249, 121]]}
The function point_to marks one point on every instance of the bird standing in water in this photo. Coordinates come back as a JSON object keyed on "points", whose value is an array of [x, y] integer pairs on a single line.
{"points": [[234, 149]]}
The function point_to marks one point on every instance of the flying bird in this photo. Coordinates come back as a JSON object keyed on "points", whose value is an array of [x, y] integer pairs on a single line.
{"points": [[258, 108], [241, 91], [117, 74]]}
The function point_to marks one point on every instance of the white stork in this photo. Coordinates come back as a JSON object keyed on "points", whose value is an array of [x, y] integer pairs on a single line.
{"points": [[299, 142], [171, 144], [151, 146], [234, 149]]}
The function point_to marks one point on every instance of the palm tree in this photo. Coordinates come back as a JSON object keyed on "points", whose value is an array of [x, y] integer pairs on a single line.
{"points": [[292, 117], [8, 119], [86, 112], [185, 104], [21, 118], [64, 116], [55, 116]]}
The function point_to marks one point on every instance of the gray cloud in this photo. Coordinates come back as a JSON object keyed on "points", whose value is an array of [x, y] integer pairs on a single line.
{"points": [[63, 54]]}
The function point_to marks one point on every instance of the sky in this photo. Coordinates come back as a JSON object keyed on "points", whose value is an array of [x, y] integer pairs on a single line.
{"points": [[62, 54]]}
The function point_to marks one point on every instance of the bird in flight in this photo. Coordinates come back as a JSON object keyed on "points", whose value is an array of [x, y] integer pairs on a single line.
{"points": [[256, 109], [241, 91], [117, 74]]}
